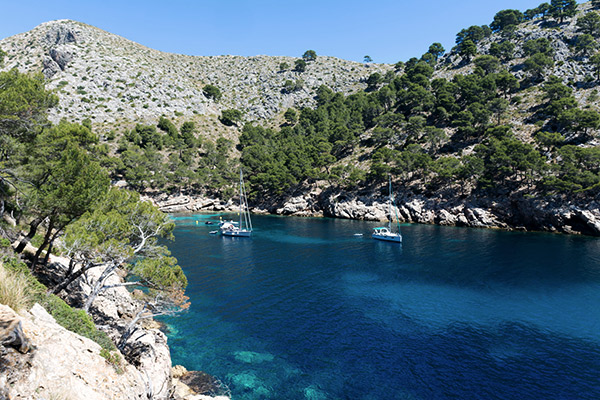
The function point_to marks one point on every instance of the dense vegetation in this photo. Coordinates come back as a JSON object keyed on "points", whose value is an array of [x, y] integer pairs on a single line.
{"points": [[435, 133], [54, 181]]}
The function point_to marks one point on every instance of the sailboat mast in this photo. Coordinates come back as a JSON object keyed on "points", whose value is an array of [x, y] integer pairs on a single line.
{"points": [[241, 200], [390, 204], [244, 205]]}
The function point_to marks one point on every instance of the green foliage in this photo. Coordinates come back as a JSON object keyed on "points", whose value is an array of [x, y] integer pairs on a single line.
{"points": [[589, 23], [161, 272], [554, 89], [503, 51], [187, 133], [578, 173], [374, 80], [506, 18], [2, 55], [291, 116], [212, 92], [506, 160], [561, 9], [549, 140], [231, 117], [284, 66], [467, 49], [24, 103], [474, 33], [290, 86], [539, 11], [309, 55], [488, 64], [300, 65], [585, 44], [537, 64], [437, 50], [540, 45], [76, 320], [145, 136], [507, 83], [595, 62], [167, 126], [113, 358], [367, 59]]}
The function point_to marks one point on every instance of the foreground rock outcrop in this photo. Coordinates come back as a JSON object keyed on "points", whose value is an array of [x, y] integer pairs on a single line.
{"points": [[62, 364], [39, 359]]}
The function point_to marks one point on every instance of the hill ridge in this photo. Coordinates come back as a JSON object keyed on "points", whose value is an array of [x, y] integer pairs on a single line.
{"points": [[108, 78]]}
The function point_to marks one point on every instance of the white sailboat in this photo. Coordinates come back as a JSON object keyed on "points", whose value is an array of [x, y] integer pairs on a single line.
{"points": [[385, 232], [243, 228]]}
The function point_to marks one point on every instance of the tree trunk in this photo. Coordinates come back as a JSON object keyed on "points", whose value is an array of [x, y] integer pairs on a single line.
{"points": [[71, 277], [32, 230], [38, 253], [99, 285], [50, 245], [130, 330]]}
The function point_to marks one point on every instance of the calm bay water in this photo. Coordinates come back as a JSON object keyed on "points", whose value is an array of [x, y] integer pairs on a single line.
{"points": [[306, 310]]}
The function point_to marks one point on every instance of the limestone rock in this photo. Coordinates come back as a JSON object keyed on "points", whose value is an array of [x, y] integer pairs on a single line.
{"points": [[11, 330], [66, 365], [61, 56], [58, 34], [50, 67], [591, 219], [294, 205]]}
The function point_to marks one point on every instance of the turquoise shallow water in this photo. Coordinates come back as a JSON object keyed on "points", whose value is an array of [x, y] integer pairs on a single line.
{"points": [[306, 310]]}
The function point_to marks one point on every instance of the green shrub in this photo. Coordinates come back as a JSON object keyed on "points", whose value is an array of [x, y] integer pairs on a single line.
{"points": [[113, 358], [76, 320]]}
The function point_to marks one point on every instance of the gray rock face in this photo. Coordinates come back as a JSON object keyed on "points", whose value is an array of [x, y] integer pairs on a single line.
{"points": [[61, 56], [60, 34], [50, 67]]}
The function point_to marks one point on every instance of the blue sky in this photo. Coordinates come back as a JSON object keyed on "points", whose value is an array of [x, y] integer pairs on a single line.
{"points": [[386, 30]]}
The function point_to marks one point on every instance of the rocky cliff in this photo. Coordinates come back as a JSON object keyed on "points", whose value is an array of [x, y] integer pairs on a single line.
{"points": [[61, 365], [47, 361]]}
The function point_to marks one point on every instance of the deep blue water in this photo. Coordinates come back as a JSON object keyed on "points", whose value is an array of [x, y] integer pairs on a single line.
{"points": [[306, 310]]}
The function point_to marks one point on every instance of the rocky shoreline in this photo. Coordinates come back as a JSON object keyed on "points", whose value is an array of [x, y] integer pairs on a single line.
{"points": [[508, 213], [62, 364]]}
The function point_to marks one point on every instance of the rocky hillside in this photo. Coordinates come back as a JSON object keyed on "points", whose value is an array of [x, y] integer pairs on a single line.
{"points": [[570, 64], [110, 79]]}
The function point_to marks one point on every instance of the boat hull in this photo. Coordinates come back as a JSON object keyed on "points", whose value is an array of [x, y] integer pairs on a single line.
{"points": [[238, 233], [396, 238]]}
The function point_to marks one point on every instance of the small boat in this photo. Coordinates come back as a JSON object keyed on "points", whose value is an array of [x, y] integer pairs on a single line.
{"points": [[385, 232], [213, 232], [209, 223], [243, 228]]}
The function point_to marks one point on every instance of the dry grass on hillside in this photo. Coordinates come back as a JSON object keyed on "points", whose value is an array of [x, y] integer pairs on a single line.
{"points": [[13, 289]]}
